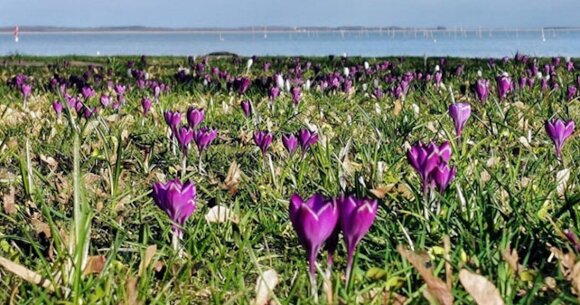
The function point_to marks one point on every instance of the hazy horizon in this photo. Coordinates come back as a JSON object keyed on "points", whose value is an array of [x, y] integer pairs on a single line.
{"points": [[299, 13]]}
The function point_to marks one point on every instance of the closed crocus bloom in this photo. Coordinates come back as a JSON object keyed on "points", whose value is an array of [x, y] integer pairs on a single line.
{"points": [[184, 136], [204, 137], [296, 95], [146, 105], [247, 108], [177, 200], [273, 93], [195, 116], [105, 100], [172, 119], [425, 158], [263, 139], [571, 92], [26, 90], [442, 175], [87, 92], [314, 221], [559, 130], [307, 138], [290, 143], [244, 85], [570, 65], [57, 106], [504, 85], [460, 113], [356, 218]]}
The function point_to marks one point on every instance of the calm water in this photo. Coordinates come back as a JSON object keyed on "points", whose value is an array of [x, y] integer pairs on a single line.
{"points": [[420, 43]]}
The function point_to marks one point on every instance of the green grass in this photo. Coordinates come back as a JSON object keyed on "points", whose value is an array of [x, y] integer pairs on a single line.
{"points": [[121, 154]]}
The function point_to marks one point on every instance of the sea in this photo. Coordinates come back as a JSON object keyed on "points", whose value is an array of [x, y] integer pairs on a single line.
{"points": [[461, 43]]}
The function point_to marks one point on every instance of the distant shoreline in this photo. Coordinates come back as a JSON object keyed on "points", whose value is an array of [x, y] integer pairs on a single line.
{"points": [[262, 30]]}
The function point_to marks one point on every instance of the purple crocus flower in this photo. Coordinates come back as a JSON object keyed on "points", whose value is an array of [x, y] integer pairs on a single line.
{"points": [[88, 111], [87, 92], [442, 175], [172, 119], [146, 104], [559, 131], [570, 65], [57, 106], [105, 100], [460, 113], [204, 137], [273, 93], [296, 95], [263, 139], [247, 108], [314, 221], [184, 136], [195, 116], [504, 85], [177, 200], [571, 93], [290, 143], [307, 138], [244, 85], [425, 158], [356, 218], [26, 90]]}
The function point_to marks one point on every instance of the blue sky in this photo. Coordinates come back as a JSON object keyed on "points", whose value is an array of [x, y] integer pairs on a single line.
{"points": [[233, 13]]}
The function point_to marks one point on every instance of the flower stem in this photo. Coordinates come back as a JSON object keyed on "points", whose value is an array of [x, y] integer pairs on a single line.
{"points": [[312, 273], [183, 165]]}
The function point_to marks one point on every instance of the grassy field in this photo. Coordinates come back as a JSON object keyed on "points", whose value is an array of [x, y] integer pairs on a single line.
{"points": [[79, 224]]}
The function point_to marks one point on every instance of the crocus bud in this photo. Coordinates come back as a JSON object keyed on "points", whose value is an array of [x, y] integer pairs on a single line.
{"points": [[290, 143], [195, 116], [177, 200], [460, 113], [146, 105], [26, 90], [571, 93], [273, 93], [504, 85], [172, 119], [57, 106], [559, 130], [442, 175], [314, 221], [307, 138], [204, 137], [356, 218], [105, 100], [87, 92], [296, 95], [263, 139], [184, 136], [247, 108]]}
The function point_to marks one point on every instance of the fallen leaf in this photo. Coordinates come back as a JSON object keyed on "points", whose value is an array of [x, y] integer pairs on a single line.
{"points": [[482, 290], [131, 297], [26, 274], [575, 279], [233, 178], [95, 264], [10, 207], [220, 214], [265, 284], [382, 190], [436, 288], [397, 108], [50, 161], [147, 258], [512, 259]]}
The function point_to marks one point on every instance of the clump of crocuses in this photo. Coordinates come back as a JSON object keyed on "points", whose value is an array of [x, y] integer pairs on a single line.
{"points": [[263, 139], [559, 131], [178, 201]]}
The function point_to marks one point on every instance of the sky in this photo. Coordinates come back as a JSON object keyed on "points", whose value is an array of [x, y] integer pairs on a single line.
{"points": [[235, 13]]}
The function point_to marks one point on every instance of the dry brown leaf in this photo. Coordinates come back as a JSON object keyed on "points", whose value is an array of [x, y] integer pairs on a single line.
{"points": [[131, 297], [398, 107], [512, 259], [382, 190], [8, 200], [265, 284], [575, 279], [40, 226], [436, 288], [95, 265], [567, 260], [26, 274], [50, 161], [147, 258], [233, 178], [482, 290]]}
